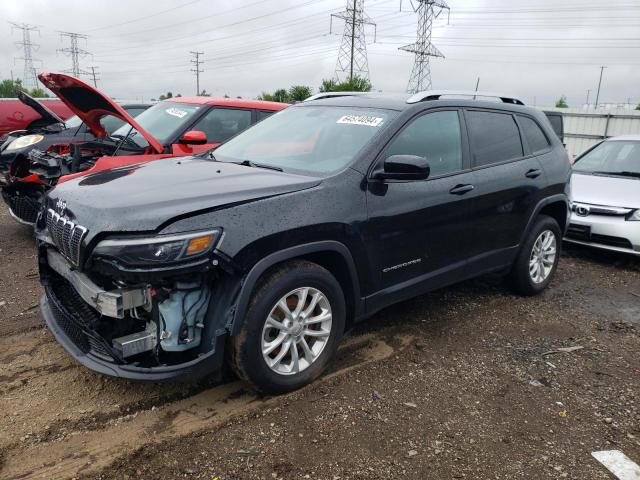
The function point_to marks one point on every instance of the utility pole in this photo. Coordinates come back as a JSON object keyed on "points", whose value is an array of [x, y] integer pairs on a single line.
{"points": [[28, 77], [352, 56], [422, 48], [93, 74], [197, 62], [599, 85], [74, 52], [588, 94]]}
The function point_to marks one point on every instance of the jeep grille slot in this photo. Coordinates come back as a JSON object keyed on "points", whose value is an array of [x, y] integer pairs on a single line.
{"points": [[66, 235]]}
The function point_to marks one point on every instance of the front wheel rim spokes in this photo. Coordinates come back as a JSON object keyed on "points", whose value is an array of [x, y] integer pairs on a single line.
{"points": [[543, 256], [296, 331]]}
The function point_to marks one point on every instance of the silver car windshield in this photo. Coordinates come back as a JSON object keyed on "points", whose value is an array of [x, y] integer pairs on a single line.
{"points": [[618, 157], [309, 139]]}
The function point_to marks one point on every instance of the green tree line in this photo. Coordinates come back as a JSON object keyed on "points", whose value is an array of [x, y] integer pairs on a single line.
{"points": [[298, 93], [10, 88]]}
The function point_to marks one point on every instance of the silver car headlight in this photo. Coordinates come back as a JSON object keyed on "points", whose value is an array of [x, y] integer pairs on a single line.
{"points": [[158, 250], [634, 216], [22, 142]]}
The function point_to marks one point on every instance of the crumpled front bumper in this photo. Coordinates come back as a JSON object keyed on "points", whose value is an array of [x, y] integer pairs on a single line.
{"points": [[193, 370], [69, 317]]}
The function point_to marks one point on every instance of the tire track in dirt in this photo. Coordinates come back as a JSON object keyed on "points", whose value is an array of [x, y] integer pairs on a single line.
{"points": [[82, 451]]}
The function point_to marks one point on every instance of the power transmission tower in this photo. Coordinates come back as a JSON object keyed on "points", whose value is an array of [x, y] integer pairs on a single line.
{"points": [[197, 62], [352, 57], [93, 74], [74, 52], [428, 11], [29, 76]]}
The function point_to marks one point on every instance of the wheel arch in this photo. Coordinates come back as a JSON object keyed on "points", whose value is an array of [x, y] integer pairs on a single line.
{"points": [[555, 206], [330, 254]]}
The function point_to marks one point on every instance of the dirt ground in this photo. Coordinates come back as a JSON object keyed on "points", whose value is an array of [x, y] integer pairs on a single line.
{"points": [[466, 382]]}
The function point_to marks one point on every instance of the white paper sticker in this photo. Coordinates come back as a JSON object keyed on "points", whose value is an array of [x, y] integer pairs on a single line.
{"points": [[366, 120], [176, 112]]}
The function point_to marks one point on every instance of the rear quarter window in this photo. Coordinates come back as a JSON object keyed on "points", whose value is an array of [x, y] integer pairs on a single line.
{"points": [[494, 137], [262, 114], [536, 139]]}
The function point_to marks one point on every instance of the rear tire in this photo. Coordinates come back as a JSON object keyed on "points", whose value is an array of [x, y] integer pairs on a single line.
{"points": [[293, 325], [537, 261]]}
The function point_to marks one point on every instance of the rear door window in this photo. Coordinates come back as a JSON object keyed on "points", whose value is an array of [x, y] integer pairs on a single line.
{"points": [[493, 137], [536, 139]]}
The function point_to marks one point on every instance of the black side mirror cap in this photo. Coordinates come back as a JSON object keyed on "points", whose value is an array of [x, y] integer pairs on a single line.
{"points": [[404, 167]]}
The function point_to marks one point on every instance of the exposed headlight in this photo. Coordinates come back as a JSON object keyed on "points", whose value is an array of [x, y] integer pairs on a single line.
{"points": [[158, 250], [25, 141], [634, 216]]}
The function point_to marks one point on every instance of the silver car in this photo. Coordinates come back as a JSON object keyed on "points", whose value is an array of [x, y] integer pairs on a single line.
{"points": [[605, 195]]}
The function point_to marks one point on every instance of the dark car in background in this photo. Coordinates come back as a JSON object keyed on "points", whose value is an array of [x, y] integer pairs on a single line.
{"points": [[264, 250], [171, 128], [56, 132]]}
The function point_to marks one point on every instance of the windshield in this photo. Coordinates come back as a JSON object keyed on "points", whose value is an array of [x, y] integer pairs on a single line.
{"points": [[309, 139], [73, 122], [163, 121], [612, 157]]}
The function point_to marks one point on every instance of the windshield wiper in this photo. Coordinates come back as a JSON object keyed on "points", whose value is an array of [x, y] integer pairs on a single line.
{"points": [[622, 174], [126, 139], [249, 163]]}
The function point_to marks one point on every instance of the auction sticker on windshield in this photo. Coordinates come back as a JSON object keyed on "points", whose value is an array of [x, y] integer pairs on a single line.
{"points": [[366, 120], [176, 112]]}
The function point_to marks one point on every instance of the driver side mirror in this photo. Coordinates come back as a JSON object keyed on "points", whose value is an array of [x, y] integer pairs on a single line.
{"points": [[193, 137], [404, 167]]}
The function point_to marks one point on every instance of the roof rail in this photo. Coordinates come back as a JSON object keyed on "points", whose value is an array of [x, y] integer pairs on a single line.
{"points": [[436, 94], [320, 96]]}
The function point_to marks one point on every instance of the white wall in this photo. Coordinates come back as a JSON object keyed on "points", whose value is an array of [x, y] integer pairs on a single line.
{"points": [[584, 127]]}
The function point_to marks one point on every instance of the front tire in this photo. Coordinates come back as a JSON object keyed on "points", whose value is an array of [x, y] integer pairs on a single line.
{"points": [[538, 258], [293, 325]]}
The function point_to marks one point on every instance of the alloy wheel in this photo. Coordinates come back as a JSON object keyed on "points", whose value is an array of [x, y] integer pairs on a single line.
{"points": [[296, 331], [543, 256]]}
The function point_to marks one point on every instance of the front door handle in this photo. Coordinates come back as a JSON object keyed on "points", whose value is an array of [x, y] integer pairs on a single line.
{"points": [[533, 173], [461, 189]]}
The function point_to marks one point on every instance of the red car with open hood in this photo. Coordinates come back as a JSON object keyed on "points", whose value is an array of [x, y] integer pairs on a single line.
{"points": [[175, 127]]}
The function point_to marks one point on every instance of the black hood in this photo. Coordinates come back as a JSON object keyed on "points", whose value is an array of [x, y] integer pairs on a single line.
{"points": [[48, 117], [145, 196]]}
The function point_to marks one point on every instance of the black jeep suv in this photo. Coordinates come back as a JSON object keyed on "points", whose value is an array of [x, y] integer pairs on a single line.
{"points": [[269, 247]]}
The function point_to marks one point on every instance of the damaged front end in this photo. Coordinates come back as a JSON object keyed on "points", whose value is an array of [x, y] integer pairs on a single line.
{"points": [[30, 176], [137, 307]]}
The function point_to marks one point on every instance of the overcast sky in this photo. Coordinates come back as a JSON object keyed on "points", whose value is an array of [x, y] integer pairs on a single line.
{"points": [[536, 49]]}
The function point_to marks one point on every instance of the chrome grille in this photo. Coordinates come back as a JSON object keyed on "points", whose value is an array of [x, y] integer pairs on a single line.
{"points": [[66, 235]]}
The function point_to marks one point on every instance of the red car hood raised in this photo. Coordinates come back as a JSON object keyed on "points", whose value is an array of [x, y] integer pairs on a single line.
{"points": [[91, 105]]}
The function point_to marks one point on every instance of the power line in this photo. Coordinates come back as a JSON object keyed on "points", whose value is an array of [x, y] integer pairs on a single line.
{"points": [[422, 48], [197, 62], [147, 45], [29, 74], [144, 17], [74, 52], [352, 56]]}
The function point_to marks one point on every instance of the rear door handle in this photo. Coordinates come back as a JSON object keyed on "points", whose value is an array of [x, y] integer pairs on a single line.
{"points": [[533, 173], [461, 189]]}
